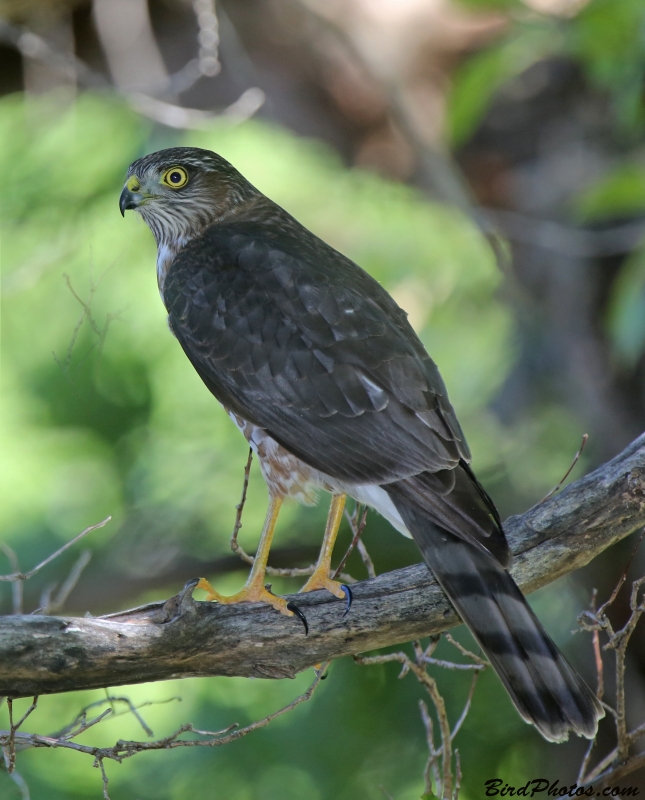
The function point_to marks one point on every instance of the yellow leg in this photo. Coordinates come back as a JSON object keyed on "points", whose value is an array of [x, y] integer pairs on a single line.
{"points": [[254, 591], [320, 578]]}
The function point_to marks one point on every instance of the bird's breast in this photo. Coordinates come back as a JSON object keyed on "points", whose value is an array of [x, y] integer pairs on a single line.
{"points": [[285, 474]]}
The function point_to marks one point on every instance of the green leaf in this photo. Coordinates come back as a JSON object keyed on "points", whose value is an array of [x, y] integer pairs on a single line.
{"points": [[475, 83], [620, 193], [607, 38], [626, 314]]}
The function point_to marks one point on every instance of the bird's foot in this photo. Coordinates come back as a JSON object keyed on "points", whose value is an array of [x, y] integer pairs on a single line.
{"points": [[321, 580], [251, 593]]}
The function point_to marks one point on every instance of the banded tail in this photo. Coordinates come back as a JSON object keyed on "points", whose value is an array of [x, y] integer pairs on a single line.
{"points": [[456, 526]]}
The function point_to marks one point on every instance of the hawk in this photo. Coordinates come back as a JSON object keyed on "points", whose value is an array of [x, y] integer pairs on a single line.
{"points": [[323, 374]]}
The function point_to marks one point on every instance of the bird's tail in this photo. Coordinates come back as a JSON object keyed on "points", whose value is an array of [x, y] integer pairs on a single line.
{"points": [[546, 690]]}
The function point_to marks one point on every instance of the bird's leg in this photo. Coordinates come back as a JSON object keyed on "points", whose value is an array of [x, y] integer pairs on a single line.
{"points": [[320, 578], [254, 590]]}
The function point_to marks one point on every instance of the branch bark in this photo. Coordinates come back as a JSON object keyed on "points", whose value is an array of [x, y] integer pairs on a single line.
{"points": [[185, 638]]}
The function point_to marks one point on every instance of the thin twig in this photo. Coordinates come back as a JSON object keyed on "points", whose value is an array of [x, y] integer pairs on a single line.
{"points": [[85, 725], [558, 486], [438, 662], [600, 670], [81, 717], [21, 783], [16, 589], [236, 547], [367, 560], [603, 608], [431, 769], [464, 713], [99, 763], [431, 687], [9, 746], [25, 576], [465, 652], [618, 762], [458, 775], [56, 603], [600, 686], [126, 749], [357, 521]]}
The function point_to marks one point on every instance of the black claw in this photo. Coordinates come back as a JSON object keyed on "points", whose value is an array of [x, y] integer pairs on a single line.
{"points": [[349, 597], [293, 607]]}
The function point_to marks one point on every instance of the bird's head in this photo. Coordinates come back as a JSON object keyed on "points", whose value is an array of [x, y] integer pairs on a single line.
{"points": [[182, 190]]}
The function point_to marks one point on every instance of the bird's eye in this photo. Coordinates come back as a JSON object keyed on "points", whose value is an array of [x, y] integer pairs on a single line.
{"points": [[175, 177]]}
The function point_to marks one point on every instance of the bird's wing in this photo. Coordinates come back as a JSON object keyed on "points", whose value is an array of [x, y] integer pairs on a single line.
{"points": [[296, 338]]}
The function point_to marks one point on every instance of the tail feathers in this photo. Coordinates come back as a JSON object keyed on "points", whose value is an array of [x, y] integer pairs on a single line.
{"points": [[546, 690], [455, 501]]}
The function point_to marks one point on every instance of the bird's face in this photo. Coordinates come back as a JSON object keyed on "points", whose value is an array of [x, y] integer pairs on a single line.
{"points": [[180, 191]]}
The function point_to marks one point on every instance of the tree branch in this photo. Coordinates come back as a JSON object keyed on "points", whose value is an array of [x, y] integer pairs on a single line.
{"points": [[184, 638]]}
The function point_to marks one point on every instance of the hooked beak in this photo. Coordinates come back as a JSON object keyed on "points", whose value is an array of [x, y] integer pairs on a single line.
{"points": [[129, 200]]}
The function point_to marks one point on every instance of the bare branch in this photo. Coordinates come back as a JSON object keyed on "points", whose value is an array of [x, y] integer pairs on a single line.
{"points": [[618, 762], [126, 749], [184, 637]]}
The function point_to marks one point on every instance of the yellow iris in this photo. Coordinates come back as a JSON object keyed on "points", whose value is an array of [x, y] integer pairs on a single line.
{"points": [[175, 177]]}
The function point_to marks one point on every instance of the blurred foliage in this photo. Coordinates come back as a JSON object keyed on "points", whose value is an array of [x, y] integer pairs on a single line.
{"points": [[110, 418], [605, 39], [620, 193], [626, 316], [477, 80]]}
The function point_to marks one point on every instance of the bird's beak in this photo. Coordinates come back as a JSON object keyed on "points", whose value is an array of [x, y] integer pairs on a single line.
{"points": [[128, 200], [131, 196]]}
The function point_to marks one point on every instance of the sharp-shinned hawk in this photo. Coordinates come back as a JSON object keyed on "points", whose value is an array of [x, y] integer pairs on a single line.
{"points": [[320, 369]]}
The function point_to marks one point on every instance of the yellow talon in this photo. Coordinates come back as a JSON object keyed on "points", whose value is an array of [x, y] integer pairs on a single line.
{"points": [[251, 593], [321, 580], [254, 590]]}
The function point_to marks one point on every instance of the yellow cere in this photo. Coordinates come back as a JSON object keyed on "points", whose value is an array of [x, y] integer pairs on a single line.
{"points": [[175, 177], [133, 183]]}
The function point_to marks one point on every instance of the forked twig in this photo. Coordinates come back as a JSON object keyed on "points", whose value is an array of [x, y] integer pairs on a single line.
{"points": [[126, 749], [618, 762], [357, 521], [446, 778], [25, 576], [49, 604]]}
